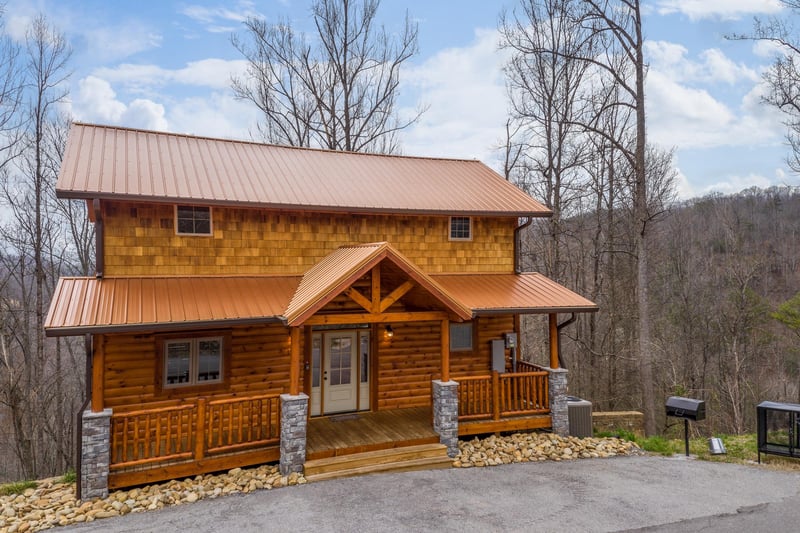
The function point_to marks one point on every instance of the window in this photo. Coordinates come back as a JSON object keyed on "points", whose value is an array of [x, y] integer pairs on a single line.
{"points": [[461, 337], [192, 220], [460, 228], [193, 361]]}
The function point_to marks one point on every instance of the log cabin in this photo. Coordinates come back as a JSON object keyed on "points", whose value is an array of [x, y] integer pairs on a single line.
{"points": [[255, 303]]}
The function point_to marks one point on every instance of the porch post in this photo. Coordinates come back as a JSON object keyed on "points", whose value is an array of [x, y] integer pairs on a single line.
{"points": [[294, 421], [98, 374], [445, 414], [294, 363], [553, 340], [558, 400], [95, 453], [445, 348]]}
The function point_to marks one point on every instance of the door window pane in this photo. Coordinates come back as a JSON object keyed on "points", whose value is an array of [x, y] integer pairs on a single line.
{"points": [[364, 356], [316, 353]]}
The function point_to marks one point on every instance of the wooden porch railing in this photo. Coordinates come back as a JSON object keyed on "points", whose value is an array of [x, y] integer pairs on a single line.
{"points": [[193, 430], [494, 396]]}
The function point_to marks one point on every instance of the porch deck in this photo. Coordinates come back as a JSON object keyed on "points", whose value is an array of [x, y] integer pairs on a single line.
{"points": [[368, 431]]}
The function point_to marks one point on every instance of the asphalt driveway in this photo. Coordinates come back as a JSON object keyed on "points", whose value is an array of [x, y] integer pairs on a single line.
{"points": [[622, 493]]}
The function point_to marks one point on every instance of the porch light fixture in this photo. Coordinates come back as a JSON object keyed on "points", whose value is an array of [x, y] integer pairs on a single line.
{"points": [[389, 332]]}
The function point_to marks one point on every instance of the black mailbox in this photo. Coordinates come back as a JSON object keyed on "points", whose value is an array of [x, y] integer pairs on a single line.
{"points": [[688, 408]]}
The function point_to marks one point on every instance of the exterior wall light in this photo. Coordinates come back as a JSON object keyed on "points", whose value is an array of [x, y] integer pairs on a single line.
{"points": [[389, 332]]}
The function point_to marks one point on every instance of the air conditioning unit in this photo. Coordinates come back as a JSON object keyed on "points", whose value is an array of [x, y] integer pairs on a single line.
{"points": [[580, 417]]}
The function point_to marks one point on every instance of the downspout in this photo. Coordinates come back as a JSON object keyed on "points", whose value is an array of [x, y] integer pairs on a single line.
{"points": [[559, 327], [98, 239], [87, 339], [518, 244]]}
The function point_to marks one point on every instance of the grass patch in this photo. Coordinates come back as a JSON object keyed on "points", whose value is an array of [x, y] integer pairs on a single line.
{"points": [[18, 487], [740, 449], [69, 477]]}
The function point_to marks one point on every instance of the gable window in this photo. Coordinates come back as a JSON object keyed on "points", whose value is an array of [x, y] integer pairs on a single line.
{"points": [[193, 361], [460, 228], [461, 337], [192, 220]]}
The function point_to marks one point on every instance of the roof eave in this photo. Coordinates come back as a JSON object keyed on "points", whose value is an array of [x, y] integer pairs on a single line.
{"points": [[81, 195], [158, 326], [533, 310]]}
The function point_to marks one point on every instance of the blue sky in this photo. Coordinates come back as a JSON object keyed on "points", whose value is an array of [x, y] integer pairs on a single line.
{"points": [[167, 65]]}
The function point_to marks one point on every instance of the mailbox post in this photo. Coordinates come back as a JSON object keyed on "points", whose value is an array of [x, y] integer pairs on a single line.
{"points": [[688, 409]]}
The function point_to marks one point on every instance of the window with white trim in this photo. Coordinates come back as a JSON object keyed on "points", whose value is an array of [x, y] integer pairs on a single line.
{"points": [[460, 228], [193, 361], [192, 220], [460, 336]]}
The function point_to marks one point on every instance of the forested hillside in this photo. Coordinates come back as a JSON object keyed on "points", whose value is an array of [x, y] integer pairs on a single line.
{"points": [[720, 268]]}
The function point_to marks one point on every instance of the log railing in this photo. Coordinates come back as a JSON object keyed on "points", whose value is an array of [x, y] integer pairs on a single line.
{"points": [[494, 396], [193, 430]]}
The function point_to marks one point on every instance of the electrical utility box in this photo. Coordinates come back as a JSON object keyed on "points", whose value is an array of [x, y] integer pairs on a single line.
{"points": [[511, 340], [499, 355]]}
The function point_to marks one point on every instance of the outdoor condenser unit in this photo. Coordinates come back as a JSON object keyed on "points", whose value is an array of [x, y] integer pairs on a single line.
{"points": [[580, 417]]}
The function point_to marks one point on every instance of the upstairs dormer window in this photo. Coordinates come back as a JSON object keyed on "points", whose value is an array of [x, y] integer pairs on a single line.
{"points": [[192, 220], [460, 228]]}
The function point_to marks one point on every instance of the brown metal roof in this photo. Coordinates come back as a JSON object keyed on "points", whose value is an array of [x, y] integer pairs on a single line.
{"points": [[512, 293], [113, 162], [89, 305], [328, 278]]}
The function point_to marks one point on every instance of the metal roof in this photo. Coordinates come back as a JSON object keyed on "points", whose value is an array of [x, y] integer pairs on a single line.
{"points": [[345, 265], [512, 293], [121, 163], [90, 305]]}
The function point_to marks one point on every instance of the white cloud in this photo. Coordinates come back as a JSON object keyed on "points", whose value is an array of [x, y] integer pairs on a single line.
{"points": [[713, 66], [733, 184], [113, 42], [96, 101], [217, 19], [692, 118], [465, 91], [144, 79], [216, 115], [718, 9]]}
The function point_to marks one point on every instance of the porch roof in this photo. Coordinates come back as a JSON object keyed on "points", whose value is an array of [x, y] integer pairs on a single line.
{"points": [[90, 305], [345, 265], [488, 294], [119, 304]]}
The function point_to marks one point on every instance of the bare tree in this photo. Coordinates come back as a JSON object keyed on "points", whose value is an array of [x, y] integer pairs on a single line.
{"points": [[35, 252], [546, 89], [340, 94], [783, 77]]}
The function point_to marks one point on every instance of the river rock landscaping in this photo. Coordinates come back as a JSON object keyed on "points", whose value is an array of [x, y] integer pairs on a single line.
{"points": [[53, 503]]}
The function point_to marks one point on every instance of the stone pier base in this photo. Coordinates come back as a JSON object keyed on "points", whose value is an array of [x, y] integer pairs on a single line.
{"points": [[558, 400], [95, 453], [445, 414], [294, 421]]}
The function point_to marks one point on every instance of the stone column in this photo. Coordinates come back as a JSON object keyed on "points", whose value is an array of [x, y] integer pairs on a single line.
{"points": [[445, 414], [294, 419], [558, 400], [95, 453]]}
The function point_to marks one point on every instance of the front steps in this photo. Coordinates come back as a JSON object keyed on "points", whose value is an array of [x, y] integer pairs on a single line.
{"points": [[421, 457]]}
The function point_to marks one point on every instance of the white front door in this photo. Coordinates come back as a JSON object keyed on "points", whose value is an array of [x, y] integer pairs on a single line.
{"points": [[339, 373]]}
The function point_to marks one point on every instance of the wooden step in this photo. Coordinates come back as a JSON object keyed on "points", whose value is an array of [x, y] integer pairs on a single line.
{"points": [[421, 457]]}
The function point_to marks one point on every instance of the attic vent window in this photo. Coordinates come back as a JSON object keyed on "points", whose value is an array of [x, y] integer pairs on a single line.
{"points": [[193, 220], [460, 229]]}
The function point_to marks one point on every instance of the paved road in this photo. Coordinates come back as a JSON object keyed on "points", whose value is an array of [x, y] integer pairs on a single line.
{"points": [[625, 493]]}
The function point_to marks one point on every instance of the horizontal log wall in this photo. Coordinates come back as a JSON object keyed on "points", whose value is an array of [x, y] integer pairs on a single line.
{"points": [[411, 359], [140, 240], [259, 364]]}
